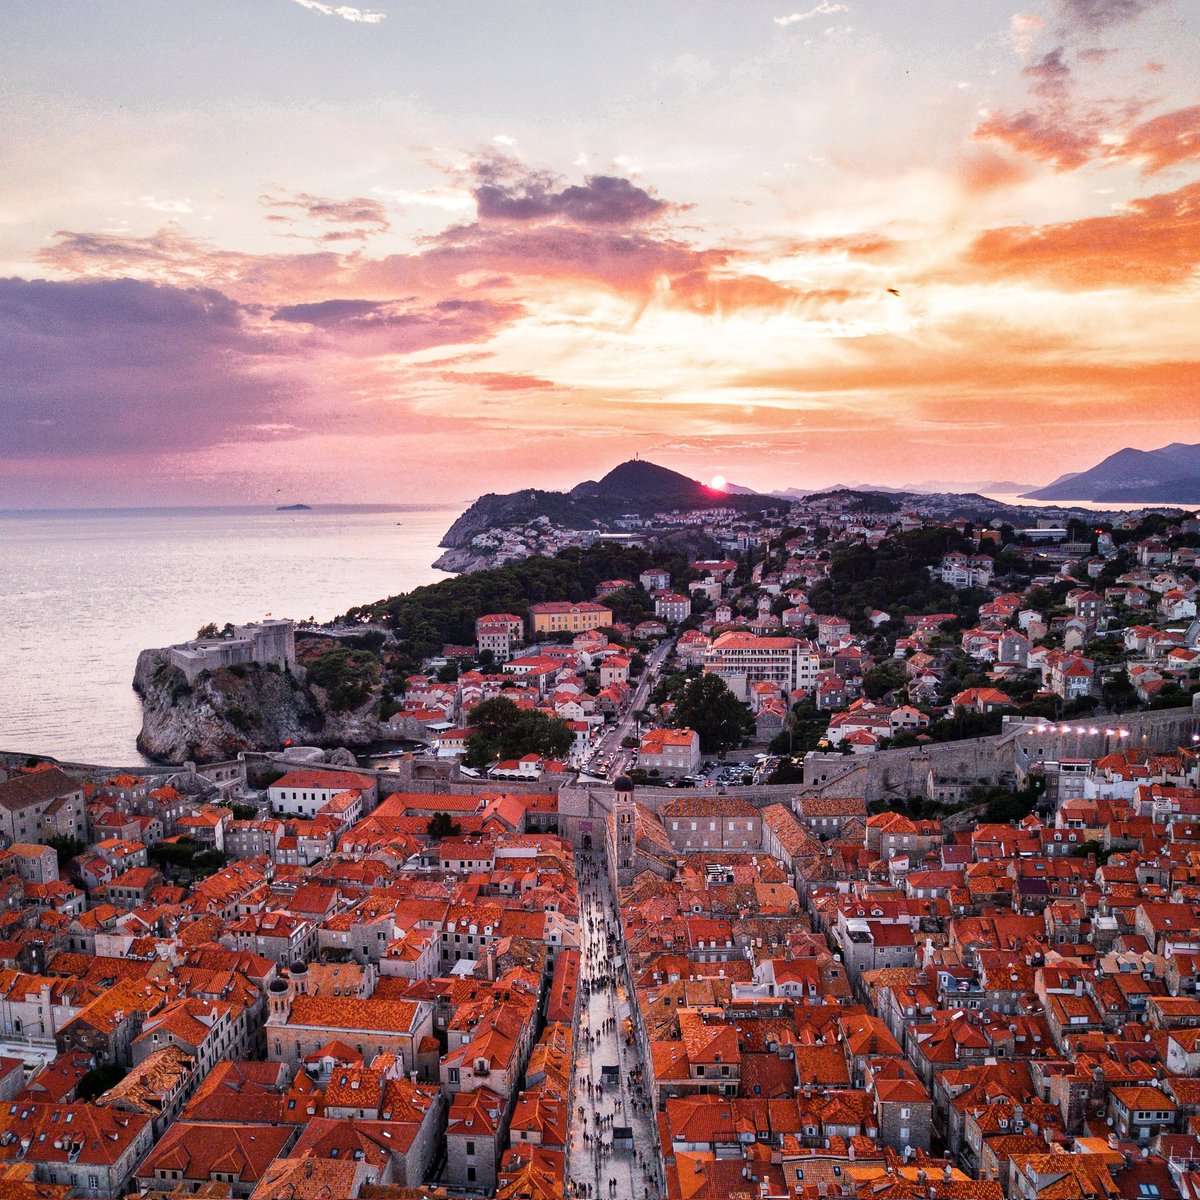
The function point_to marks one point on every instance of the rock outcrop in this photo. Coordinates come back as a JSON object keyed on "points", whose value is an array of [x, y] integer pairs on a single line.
{"points": [[464, 560], [243, 708]]}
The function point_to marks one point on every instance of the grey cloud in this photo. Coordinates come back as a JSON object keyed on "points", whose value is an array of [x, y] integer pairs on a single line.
{"points": [[401, 326], [506, 191], [123, 366], [1096, 15], [1050, 74]]}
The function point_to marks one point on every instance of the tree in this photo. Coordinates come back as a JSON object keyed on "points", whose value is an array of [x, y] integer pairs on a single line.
{"points": [[97, 1081], [505, 730], [66, 848], [1040, 598], [714, 712], [882, 679], [442, 826]]}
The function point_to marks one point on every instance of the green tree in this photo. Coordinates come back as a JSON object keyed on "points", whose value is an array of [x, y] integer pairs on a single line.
{"points": [[441, 825], [505, 730], [882, 679], [714, 712], [348, 676]]}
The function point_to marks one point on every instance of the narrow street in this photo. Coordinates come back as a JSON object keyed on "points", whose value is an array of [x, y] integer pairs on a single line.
{"points": [[602, 1104], [608, 746]]}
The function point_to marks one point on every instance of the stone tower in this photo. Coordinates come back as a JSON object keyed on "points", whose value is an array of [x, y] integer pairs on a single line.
{"points": [[279, 1000], [624, 829]]}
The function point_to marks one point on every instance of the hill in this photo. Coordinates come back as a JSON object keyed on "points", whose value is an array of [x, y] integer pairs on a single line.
{"points": [[1168, 475], [635, 486]]}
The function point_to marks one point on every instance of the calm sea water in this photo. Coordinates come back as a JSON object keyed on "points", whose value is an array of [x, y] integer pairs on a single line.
{"points": [[1088, 505], [81, 592]]}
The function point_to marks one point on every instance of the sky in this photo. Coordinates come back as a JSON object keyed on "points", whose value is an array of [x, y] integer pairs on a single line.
{"points": [[424, 249]]}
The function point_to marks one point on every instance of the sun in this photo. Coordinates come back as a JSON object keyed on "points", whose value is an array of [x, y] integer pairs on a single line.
{"points": [[718, 483]]}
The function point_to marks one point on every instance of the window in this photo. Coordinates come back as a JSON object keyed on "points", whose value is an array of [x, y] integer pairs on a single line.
{"points": [[470, 1174], [471, 1148]]}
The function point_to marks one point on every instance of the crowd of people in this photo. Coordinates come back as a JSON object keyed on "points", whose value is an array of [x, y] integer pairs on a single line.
{"points": [[623, 1091]]}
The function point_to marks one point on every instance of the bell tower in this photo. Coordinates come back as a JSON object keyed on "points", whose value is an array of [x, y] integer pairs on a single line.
{"points": [[625, 828]]}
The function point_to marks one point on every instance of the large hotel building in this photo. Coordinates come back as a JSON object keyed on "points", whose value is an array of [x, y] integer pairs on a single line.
{"points": [[744, 659]]}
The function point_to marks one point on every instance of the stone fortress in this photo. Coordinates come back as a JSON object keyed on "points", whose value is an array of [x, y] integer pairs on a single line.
{"points": [[271, 642]]}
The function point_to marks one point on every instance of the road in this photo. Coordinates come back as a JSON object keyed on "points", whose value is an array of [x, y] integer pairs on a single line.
{"points": [[608, 745], [599, 1108]]}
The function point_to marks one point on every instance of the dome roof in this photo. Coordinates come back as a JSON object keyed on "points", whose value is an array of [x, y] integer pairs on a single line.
{"points": [[299, 967], [622, 783], [278, 985]]}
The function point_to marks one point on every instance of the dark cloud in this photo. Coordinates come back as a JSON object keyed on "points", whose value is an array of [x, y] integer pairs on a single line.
{"points": [[114, 366], [358, 218], [327, 313], [401, 327], [505, 190], [1093, 16], [1050, 74]]}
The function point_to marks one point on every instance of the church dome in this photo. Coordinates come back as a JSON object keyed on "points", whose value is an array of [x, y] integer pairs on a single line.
{"points": [[623, 784]]}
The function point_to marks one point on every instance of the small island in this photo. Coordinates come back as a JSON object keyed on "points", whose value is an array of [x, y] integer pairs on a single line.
{"points": [[293, 508]]}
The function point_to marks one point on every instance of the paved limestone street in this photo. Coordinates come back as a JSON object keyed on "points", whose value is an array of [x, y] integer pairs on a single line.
{"points": [[594, 1167]]}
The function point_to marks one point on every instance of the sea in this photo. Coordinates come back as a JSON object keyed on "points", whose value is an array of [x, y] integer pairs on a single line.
{"points": [[82, 591]]}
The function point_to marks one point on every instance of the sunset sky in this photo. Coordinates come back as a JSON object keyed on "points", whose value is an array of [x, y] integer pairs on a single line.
{"points": [[419, 250]]}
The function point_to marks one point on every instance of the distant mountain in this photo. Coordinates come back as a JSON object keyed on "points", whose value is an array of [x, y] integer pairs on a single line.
{"points": [[1169, 475], [635, 486], [1000, 487]]}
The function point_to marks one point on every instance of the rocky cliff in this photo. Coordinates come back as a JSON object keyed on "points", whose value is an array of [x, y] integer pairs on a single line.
{"points": [[246, 708], [463, 561]]}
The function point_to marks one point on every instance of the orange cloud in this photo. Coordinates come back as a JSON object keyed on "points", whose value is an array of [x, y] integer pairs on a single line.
{"points": [[1050, 137], [1155, 242], [1163, 141]]}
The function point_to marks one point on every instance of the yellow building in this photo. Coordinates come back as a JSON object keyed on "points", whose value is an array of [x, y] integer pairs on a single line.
{"points": [[561, 616]]}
